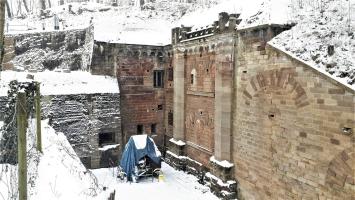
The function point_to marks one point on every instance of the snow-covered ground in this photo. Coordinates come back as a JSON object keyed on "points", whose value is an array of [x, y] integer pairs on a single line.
{"points": [[59, 83], [59, 174], [177, 185]]}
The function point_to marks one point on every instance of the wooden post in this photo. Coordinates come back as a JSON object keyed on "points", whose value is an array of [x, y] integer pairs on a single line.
{"points": [[2, 26], [38, 117], [21, 107]]}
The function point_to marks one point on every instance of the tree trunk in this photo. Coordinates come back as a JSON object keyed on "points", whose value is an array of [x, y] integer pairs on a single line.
{"points": [[2, 25], [43, 4], [25, 5], [49, 4], [9, 14], [21, 113]]}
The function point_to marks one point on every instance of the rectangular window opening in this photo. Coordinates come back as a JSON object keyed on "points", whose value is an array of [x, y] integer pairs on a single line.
{"points": [[170, 118], [106, 138], [192, 79], [160, 107], [139, 129], [158, 78], [153, 128]]}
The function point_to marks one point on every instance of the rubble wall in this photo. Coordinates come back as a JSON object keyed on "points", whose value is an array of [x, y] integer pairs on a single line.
{"points": [[82, 118]]}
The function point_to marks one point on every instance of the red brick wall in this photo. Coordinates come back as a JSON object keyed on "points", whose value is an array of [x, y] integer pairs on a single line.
{"points": [[200, 106]]}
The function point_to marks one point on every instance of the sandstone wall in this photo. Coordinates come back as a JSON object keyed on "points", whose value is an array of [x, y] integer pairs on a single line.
{"points": [[141, 102], [292, 127], [82, 118]]}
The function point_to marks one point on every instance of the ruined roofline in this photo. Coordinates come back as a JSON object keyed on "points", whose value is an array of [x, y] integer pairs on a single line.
{"points": [[226, 23], [48, 32], [143, 45]]}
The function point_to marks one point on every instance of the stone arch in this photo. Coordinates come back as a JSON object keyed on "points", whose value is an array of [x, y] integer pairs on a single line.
{"points": [[341, 170], [279, 79]]}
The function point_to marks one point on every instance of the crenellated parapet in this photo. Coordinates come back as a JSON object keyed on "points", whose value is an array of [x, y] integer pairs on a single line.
{"points": [[225, 23]]}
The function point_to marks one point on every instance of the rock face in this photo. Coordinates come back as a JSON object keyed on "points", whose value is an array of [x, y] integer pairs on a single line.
{"points": [[64, 50], [89, 121]]}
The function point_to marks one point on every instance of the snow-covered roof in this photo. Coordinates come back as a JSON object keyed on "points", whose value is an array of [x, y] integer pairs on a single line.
{"points": [[59, 83]]}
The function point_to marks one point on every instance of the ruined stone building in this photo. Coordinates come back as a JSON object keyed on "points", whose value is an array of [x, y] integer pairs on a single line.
{"points": [[245, 117], [248, 119]]}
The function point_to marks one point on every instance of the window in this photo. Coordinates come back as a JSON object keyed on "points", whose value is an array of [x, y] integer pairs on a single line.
{"points": [[160, 107], [159, 78], [106, 138], [139, 129], [193, 76], [153, 128], [170, 118], [171, 74]]}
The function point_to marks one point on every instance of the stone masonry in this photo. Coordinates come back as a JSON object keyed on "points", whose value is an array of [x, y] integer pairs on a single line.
{"points": [[248, 112], [146, 102]]}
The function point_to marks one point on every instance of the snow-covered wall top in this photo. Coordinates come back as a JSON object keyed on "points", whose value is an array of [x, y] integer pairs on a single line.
{"points": [[130, 22], [56, 50], [56, 83]]}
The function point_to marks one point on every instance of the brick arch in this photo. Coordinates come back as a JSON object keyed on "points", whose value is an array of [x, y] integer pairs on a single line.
{"points": [[341, 169], [276, 79]]}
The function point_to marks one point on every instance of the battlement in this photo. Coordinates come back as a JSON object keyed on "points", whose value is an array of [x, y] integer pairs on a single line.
{"points": [[226, 23]]}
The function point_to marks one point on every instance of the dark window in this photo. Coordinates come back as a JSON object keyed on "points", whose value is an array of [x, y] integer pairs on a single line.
{"points": [[159, 78], [160, 107], [170, 118], [171, 74], [153, 128], [192, 79], [106, 138], [139, 129]]}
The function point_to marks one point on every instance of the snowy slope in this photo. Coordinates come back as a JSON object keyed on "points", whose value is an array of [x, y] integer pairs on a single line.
{"points": [[123, 24], [55, 174], [59, 83], [61, 175], [316, 30]]}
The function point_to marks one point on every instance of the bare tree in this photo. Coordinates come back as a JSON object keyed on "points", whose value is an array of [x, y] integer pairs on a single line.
{"points": [[25, 5], [43, 4], [9, 14]]}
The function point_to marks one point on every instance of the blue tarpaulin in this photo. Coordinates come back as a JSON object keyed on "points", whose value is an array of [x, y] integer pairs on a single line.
{"points": [[137, 147]]}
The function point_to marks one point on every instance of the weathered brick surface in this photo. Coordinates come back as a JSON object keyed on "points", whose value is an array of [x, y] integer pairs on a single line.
{"points": [[134, 67], [82, 117], [288, 139]]}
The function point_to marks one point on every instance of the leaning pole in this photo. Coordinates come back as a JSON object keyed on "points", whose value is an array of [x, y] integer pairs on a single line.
{"points": [[2, 25], [21, 112]]}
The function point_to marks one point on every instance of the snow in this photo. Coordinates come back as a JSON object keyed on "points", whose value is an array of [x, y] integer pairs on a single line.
{"points": [[122, 24], [308, 41], [177, 142], [59, 83], [108, 147], [223, 163], [177, 185], [140, 141], [219, 181], [61, 175]]}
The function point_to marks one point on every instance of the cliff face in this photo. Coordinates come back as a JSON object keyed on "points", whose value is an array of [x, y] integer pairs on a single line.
{"points": [[65, 50]]}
